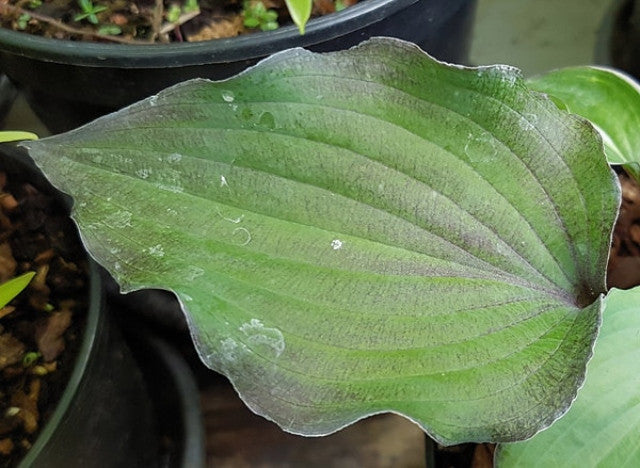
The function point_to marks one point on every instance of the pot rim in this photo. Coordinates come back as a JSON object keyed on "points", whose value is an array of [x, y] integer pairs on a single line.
{"points": [[244, 47], [19, 159], [79, 367]]}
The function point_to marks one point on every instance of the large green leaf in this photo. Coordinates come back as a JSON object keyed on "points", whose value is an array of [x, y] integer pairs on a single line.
{"points": [[602, 426], [359, 232], [609, 99]]}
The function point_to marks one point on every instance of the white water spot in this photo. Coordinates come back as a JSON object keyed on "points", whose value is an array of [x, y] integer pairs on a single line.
{"points": [[82, 204], [170, 188], [117, 266], [336, 244], [153, 100], [118, 220], [480, 149], [223, 181], [509, 77], [172, 212], [228, 349], [144, 173], [114, 250], [319, 97], [242, 235], [237, 220], [527, 122], [582, 249], [193, 272], [186, 297], [174, 157], [258, 334], [505, 73], [156, 251], [228, 96]]}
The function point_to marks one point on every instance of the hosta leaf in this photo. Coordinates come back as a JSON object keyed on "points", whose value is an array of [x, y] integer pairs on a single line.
{"points": [[358, 232], [609, 99], [602, 426]]}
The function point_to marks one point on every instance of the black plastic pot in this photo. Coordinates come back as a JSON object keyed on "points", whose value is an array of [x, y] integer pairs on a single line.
{"points": [[119, 407], [72, 82]]}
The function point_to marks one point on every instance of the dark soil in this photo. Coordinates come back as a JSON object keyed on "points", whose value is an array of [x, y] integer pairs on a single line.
{"points": [[40, 331], [143, 21]]}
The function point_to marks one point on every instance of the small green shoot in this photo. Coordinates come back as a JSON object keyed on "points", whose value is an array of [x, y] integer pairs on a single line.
{"points": [[89, 11], [339, 5], [31, 358], [256, 15], [23, 20], [190, 5], [13, 287], [11, 135], [34, 4], [173, 13], [300, 11], [110, 30]]}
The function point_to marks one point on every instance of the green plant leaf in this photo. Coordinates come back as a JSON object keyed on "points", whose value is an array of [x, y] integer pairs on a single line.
{"points": [[606, 97], [11, 288], [358, 232], [300, 11], [602, 426], [16, 135]]}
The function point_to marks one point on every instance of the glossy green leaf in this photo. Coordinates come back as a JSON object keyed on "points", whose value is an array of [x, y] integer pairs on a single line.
{"points": [[16, 135], [11, 288], [300, 11], [606, 97], [602, 426], [359, 232]]}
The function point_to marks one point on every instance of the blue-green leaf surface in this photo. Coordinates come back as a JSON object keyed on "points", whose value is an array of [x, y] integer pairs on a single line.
{"points": [[602, 426], [359, 232]]}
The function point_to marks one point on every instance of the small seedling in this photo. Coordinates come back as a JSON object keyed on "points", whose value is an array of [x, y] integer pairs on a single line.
{"points": [[190, 5], [173, 13], [339, 5], [256, 15], [23, 20], [30, 358], [110, 30], [34, 4], [89, 11]]}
